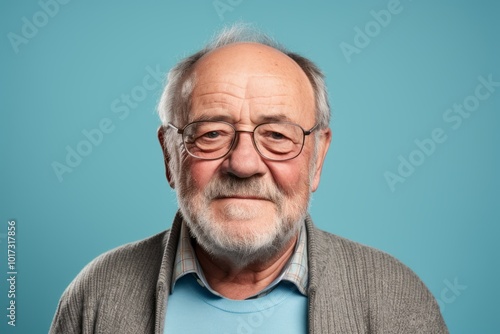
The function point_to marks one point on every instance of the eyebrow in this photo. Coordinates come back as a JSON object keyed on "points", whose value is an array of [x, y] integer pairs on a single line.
{"points": [[227, 118], [212, 118], [274, 118]]}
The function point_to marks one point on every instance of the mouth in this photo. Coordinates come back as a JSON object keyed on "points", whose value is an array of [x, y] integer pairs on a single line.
{"points": [[243, 197], [258, 198]]}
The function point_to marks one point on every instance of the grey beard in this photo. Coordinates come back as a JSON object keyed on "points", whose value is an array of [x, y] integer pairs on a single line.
{"points": [[242, 255], [254, 247]]}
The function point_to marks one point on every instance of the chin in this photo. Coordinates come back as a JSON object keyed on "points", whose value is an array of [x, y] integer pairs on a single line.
{"points": [[243, 210], [248, 239]]}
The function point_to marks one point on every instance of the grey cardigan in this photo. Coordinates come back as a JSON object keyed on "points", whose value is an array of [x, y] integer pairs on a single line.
{"points": [[352, 289]]}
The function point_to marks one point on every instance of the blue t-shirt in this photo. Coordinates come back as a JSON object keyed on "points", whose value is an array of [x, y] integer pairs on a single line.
{"points": [[191, 308]]}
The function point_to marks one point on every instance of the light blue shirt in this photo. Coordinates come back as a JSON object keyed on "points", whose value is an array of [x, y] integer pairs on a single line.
{"points": [[194, 309]]}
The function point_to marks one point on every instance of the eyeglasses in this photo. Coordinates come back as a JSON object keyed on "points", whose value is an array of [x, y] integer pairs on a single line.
{"points": [[211, 140]]}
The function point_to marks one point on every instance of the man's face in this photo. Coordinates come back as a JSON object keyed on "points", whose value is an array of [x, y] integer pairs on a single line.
{"points": [[244, 206]]}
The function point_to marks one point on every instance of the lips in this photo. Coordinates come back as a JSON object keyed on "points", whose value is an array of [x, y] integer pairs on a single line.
{"points": [[243, 197]]}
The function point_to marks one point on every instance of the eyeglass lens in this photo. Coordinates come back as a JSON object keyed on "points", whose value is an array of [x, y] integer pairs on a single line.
{"points": [[213, 140]]}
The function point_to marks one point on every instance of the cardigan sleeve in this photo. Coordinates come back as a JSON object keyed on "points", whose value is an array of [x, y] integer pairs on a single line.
{"points": [[68, 317]]}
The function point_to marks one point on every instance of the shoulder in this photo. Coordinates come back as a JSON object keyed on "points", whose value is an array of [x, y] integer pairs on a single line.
{"points": [[369, 266], [383, 293], [136, 261], [124, 276], [341, 251], [128, 258]]}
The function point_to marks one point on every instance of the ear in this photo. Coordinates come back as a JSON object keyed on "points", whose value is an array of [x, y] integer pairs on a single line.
{"points": [[166, 156], [323, 144]]}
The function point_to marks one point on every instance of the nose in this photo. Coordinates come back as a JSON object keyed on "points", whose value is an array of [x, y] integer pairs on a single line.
{"points": [[244, 161]]}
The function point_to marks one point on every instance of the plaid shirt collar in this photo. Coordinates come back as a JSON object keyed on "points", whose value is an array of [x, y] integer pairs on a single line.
{"points": [[296, 271]]}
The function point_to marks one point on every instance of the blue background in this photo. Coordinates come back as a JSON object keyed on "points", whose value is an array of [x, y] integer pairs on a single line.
{"points": [[443, 221]]}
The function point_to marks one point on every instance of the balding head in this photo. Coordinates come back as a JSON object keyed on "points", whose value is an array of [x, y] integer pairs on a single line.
{"points": [[175, 100], [265, 81]]}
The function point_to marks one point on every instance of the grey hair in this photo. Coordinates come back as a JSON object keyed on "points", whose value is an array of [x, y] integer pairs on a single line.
{"points": [[175, 101]]}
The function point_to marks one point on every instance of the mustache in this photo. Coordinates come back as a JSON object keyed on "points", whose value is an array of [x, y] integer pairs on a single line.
{"points": [[251, 187]]}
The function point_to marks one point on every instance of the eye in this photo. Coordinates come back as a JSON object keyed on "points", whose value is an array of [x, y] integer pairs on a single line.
{"points": [[276, 135], [212, 134]]}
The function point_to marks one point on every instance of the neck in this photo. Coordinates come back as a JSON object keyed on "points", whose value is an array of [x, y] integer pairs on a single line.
{"points": [[234, 282]]}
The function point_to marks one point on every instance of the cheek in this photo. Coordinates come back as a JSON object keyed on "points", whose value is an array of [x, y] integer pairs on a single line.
{"points": [[291, 177], [200, 172]]}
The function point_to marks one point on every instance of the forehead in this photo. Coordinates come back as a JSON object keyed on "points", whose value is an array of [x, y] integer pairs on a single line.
{"points": [[251, 75], [251, 86]]}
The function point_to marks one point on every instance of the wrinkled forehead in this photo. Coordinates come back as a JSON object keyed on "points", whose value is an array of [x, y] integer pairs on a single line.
{"points": [[252, 71], [244, 85]]}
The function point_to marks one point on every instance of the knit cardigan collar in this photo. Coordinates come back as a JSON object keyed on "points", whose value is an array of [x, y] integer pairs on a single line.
{"points": [[169, 245]]}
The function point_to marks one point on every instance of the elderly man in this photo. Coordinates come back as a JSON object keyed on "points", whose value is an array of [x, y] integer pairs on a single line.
{"points": [[245, 133]]}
